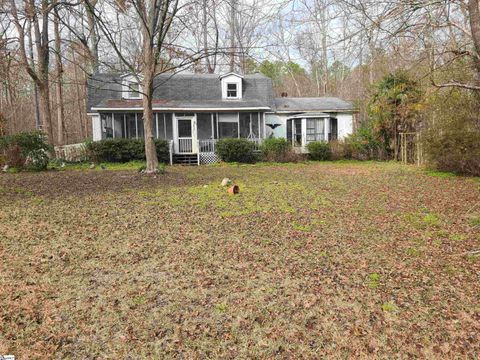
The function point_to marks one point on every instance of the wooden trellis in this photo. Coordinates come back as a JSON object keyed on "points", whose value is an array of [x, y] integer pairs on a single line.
{"points": [[411, 151]]}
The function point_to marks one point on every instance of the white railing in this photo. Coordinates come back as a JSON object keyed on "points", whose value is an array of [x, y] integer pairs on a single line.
{"points": [[185, 146], [210, 145], [207, 146]]}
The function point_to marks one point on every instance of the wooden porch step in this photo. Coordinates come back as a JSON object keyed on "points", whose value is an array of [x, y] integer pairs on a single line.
{"points": [[185, 159]]}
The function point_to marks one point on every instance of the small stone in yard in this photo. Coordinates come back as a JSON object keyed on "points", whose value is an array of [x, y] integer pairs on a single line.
{"points": [[5, 168], [103, 167], [226, 182], [205, 186], [92, 166]]}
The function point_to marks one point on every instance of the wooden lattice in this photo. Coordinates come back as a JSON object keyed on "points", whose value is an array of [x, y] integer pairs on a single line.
{"points": [[208, 158]]}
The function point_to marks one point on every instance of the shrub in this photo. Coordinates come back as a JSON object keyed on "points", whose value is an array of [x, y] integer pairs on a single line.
{"points": [[364, 145], [319, 150], [124, 150], [277, 150], [28, 150], [236, 150], [338, 150], [451, 140]]}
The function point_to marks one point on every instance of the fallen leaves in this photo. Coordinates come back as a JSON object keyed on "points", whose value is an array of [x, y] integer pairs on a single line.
{"points": [[333, 260]]}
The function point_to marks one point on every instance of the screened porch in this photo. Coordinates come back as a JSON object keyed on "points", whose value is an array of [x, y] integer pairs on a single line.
{"points": [[188, 133]]}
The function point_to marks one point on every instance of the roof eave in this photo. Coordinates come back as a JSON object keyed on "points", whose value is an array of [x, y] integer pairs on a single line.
{"points": [[251, 108]]}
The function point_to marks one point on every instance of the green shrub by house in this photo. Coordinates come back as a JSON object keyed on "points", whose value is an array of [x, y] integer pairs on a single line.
{"points": [[124, 150], [236, 150], [29, 150], [275, 149], [319, 150]]}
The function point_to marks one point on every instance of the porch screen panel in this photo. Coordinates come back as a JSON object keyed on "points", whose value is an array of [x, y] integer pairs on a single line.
{"points": [[204, 126], [119, 125], [215, 126], [131, 126], [107, 129], [168, 126], [228, 125], [245, 125], [255, 123], [140, 125]]}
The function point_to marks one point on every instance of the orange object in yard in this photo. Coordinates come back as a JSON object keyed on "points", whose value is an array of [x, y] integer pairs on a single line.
{"points": [[233, 190]]}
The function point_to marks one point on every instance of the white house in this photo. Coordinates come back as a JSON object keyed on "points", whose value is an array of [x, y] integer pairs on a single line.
{"points": [[193, 111]]}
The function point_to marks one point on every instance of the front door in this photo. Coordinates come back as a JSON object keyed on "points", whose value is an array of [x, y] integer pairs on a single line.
{"points": [[187, 135]]}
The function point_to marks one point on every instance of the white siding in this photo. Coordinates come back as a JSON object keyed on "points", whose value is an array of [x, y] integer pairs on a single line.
{"points": [[96, 127], [279, 131], [345, 125]]}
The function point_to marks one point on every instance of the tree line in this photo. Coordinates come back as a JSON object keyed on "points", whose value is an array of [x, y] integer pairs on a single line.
{"points": [[345, 48]]}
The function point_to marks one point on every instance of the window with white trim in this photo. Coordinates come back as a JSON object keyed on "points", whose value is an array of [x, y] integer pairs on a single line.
{"points": [[232, 90]]}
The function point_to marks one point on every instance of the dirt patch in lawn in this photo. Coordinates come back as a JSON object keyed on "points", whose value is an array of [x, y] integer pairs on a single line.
{"points": [[336, 260]]}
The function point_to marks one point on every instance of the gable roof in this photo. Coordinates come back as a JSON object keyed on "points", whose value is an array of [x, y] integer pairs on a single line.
{"points": [[319, 104], [185, 91]]}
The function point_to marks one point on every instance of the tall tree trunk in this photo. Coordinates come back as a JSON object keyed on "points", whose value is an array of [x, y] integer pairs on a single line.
{"points": [[150, 149], [232, 35], [93, 45], [42, 45], [474, 15], [79, 96], [208, 65], [59, 84], [149, 67], [35, 86]]}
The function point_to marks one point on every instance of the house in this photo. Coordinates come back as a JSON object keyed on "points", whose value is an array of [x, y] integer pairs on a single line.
{"points": [[193, 111]]}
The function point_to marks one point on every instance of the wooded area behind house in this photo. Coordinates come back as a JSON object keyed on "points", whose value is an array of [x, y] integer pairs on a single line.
{"points": [[344, 48]]}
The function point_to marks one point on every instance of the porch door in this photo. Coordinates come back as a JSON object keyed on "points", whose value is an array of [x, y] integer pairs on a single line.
{"points": [[187, 135]]}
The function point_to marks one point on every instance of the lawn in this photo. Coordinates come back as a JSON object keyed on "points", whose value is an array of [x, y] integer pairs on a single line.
{"points": [[337, 260]]}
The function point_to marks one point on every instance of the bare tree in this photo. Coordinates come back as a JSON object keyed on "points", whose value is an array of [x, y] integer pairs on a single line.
{"points": [[59, 81], [38, 16]]}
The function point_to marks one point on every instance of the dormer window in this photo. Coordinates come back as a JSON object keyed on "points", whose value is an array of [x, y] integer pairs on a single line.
{"points": [[231, 86], [133, 91], [131, 88], [232, 92]]}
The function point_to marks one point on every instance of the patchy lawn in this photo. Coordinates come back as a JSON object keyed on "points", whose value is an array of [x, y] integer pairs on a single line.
{"points": [[334, 259]]}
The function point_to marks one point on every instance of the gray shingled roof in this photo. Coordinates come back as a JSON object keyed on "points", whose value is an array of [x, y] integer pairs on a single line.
{"points": [[185, 91], [290, 104]]}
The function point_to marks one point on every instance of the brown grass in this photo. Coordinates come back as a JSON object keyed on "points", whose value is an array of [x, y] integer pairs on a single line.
{"points": [[337, 260]]}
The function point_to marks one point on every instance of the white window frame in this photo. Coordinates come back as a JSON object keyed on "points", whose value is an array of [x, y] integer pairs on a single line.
{"points": [[236, 90], [126, 88]]}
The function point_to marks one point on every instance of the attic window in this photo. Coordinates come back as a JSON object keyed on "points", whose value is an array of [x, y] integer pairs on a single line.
{"points": [[232, 92], [133, 91]]}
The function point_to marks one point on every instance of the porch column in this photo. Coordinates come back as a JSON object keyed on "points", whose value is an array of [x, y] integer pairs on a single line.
{"points": [[327, 128], [304, 132]]}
